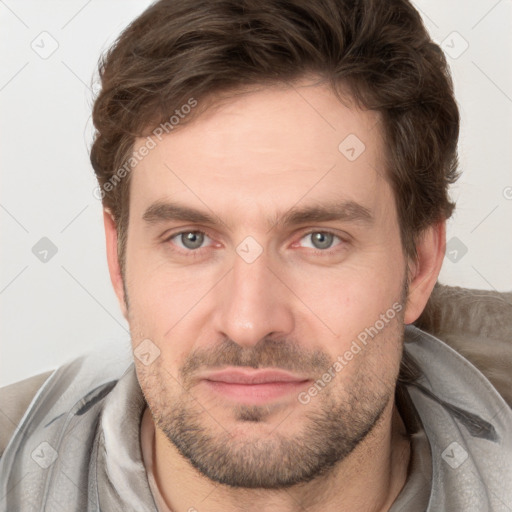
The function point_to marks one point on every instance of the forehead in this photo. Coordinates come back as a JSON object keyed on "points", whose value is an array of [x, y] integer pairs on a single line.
{"points": [[264, 152]]}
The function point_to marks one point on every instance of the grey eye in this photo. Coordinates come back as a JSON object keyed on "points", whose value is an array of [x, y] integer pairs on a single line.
{"points": [[191, 239], [321, 240]]}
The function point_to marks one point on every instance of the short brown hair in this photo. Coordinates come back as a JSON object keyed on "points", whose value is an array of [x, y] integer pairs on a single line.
{"points": [[182, 49]]}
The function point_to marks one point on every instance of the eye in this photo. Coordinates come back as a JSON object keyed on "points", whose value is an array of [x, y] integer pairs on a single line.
{"points": [[321, 240], [189, 240]]}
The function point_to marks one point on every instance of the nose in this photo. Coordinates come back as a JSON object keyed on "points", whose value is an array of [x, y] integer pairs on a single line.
{"points": [[253, 302]]}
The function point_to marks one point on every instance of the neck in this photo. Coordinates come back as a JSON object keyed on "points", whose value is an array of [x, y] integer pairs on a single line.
{"points": [[369, 479]]}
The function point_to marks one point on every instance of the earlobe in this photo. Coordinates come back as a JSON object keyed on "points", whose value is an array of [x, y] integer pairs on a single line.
{"points": [[423, 273], [112, 258]]}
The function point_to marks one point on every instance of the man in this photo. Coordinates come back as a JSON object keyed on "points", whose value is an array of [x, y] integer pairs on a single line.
{"points": [[274, 180]]}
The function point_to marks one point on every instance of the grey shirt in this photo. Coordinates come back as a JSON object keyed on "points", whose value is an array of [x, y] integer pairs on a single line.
{"points": [[78, 446], [415, 494]]}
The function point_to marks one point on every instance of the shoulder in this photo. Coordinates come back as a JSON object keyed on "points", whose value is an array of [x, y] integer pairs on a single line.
{"points": [[14, 401], [78, 384]]}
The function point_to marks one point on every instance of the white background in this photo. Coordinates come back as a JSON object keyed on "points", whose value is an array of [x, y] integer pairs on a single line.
{"points": [[53, 311]]}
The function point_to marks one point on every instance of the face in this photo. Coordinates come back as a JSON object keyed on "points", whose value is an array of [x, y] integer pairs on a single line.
{"points": [[291, 260]]}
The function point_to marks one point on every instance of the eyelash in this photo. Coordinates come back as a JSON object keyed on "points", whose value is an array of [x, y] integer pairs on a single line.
{"points": [[199, 252]]}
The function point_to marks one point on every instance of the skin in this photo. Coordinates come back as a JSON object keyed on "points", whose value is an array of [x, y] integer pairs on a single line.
{"points": [[257, 155]]}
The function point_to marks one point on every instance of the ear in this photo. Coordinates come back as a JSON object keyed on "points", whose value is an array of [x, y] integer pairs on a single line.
{"points": [[423, 272], [113, 260]]}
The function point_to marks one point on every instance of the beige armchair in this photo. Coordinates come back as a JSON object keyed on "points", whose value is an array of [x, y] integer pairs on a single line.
{"points": [[478, 325]]}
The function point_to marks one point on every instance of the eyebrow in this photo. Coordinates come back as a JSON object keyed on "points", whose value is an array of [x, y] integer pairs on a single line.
{"points": [[346, 211]]}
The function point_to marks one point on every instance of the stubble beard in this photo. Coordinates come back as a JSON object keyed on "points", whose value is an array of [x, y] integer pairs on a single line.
{"points": [[334, 423]]}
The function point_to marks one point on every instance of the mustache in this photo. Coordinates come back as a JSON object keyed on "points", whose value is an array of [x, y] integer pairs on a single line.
{"points": [[267, 353]]}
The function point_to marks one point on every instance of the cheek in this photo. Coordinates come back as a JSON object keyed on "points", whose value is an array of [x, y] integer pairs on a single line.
{"points": [[160, 295], [373, 355], [348, 299], [167, 306]]}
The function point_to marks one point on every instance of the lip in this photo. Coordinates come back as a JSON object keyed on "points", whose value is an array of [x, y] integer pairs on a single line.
{"points": [[252, 376], [253, 386]]}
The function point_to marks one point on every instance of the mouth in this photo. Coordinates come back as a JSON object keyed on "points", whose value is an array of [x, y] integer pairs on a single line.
{"points": [[253, 386]]}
